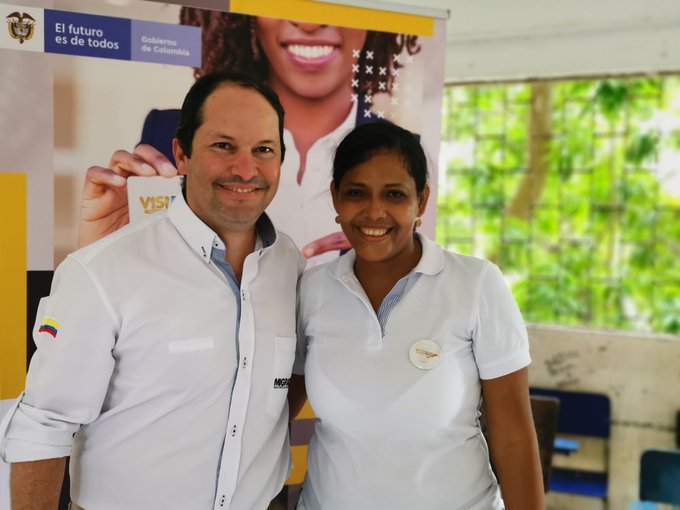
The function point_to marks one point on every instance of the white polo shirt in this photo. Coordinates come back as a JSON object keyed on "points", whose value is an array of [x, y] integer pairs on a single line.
{"points": [[389, 434], [139, 347]]}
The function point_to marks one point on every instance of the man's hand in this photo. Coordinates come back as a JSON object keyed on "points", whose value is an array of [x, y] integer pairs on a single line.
{"points": [[334, 241], [104, 207]]}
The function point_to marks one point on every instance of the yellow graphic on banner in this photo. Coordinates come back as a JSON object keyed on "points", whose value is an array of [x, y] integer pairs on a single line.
{"points": [[339, 15], [13, 266]]}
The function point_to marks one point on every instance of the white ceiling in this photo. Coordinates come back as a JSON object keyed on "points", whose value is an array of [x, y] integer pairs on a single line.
{"points": [[501, 39]]}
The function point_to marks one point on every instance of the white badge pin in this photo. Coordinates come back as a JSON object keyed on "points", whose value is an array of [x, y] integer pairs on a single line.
{"points": [[425, 354]]}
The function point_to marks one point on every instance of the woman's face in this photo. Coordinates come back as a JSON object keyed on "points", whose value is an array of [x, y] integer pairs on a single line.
{"points": [[377, 205], [310, 60]]}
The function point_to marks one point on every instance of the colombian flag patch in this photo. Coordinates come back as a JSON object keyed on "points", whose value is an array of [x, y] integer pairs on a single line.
{"points": [[49, 326]]}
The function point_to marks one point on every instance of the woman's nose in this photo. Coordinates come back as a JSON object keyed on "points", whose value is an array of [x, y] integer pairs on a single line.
{"points": [[375, 209], [307, 27]]}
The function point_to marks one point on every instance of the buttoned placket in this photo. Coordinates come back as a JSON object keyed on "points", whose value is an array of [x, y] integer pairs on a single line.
{"points": [[231, 451], [374, 337], [390, 301]]}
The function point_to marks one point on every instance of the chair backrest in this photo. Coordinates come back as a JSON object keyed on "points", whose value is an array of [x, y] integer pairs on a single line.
{"points": [[545, 411], [581, 413], [660, 476]]}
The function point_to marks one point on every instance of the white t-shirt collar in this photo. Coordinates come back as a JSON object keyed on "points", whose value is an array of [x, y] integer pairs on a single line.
{"points": [[431, 260]]}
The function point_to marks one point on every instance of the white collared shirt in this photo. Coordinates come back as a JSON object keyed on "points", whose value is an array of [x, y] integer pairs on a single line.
{"points": [[389, 434], [305, 211], [144, 358]]}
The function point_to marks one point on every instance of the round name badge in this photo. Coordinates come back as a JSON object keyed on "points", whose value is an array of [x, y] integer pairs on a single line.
{"points": [[425, 354]]}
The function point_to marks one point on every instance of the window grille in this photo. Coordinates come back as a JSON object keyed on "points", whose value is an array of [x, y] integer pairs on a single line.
{"points": [[573, 189]]}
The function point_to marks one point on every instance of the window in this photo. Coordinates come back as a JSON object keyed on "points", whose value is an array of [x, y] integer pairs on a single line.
{"points": [[573, 189]]}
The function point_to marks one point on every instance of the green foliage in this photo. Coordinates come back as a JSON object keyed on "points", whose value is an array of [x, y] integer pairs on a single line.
{"points": [[601, 245]]}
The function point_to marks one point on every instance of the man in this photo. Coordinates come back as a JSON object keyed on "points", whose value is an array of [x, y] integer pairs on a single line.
{"points": [[165, 349]]}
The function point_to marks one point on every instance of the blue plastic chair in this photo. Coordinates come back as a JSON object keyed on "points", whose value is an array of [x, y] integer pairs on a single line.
{"points": [[581, 414], [660, 476]]}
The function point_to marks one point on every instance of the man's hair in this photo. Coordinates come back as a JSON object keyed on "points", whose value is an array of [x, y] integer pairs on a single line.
{"points": [[228, 42], [191, 115], [363, 142]]}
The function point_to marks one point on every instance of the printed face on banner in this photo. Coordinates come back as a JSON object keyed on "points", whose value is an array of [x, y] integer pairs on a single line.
{"points": [[307, 59], [329, 79]]}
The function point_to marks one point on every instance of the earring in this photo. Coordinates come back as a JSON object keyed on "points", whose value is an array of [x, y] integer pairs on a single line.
{"points": [[337, 220], [253, 41], [418, 223]]}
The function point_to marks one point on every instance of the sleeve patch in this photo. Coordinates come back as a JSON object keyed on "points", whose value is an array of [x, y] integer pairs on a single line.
{"points": [[50, 326]]}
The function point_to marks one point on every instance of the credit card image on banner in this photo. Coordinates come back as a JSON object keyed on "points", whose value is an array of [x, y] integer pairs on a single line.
{"points": [[149, 195]]}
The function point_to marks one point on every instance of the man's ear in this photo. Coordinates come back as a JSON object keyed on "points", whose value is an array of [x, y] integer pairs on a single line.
{"points": [[422, 200], [180, 157]]}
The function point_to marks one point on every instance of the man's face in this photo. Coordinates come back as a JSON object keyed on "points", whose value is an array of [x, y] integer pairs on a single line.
{"points": [[235, 163]]}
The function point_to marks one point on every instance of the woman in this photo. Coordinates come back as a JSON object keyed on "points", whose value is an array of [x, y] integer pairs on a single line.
{"points": [[321, 74], [400, 341]]}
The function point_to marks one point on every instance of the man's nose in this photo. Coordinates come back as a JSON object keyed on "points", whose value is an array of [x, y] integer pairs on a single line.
{"points": [[244, 165]]}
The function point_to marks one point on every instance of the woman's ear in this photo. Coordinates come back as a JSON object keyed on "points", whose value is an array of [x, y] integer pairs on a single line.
{"points": [[422, 200], [334, 195]]}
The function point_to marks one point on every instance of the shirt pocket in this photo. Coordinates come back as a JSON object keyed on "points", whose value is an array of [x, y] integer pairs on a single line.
{"points": [[282, 369], [187, 345]]}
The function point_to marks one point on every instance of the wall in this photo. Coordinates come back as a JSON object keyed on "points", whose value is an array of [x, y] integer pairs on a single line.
{"points": [[641, 375]]}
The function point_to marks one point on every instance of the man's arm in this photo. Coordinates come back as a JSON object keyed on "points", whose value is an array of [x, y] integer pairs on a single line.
{"points": [[36, 485]]}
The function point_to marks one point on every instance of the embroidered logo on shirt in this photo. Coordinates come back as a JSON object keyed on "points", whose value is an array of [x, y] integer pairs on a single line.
{"points": [[281, 383], [49, 326]]}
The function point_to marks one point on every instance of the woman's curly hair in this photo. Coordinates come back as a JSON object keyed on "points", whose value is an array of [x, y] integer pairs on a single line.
{"points": [[228, 44]]}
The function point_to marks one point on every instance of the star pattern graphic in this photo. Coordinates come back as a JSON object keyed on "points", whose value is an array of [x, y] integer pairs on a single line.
{"points": [[398, 90]]}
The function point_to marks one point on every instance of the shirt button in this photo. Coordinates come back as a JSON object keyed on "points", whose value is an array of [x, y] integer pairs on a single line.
{"points": [[243, 295], [245, 362], [233, 431]]}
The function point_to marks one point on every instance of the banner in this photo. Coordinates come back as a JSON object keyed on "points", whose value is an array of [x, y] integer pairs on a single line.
{"points": [[84, 78]]}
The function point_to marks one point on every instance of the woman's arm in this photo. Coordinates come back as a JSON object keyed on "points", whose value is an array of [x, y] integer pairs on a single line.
{"points": [[512, 440]]}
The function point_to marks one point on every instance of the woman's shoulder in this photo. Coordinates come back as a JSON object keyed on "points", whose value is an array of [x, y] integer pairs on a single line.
{"points": [[467, 267], [317, 275]]}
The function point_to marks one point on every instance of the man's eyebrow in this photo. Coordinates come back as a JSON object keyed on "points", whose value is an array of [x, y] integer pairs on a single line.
{"points": [[270, 141], [218, 134]]}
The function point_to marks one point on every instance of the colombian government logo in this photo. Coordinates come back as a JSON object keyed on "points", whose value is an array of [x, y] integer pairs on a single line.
{"points": [[21, 26]]}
